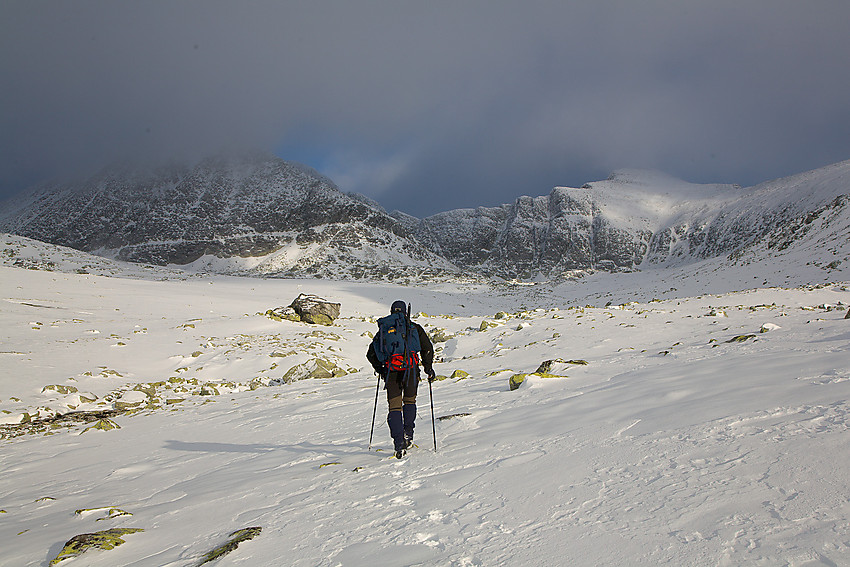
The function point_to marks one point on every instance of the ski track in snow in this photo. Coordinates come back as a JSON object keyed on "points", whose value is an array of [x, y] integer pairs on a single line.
{"points": [[671, 446]]}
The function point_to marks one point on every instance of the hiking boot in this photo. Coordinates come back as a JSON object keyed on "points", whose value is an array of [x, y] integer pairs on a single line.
{"points": [[400, 454], [394, 420], [409, 420]]}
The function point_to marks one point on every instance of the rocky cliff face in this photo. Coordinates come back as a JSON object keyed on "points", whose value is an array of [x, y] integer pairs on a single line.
{"points": [[260, 215], [608, 225], [536, 237]]}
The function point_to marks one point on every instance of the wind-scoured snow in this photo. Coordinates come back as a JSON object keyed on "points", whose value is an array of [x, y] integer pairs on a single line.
{"points": [[650, 197], [709, 425]]}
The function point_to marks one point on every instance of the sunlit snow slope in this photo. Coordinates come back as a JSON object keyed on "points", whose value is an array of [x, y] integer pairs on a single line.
{"points": [[704, 429]]}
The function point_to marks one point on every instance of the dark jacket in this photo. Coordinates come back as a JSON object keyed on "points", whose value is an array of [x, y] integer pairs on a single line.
{"points": [[426, 355]]}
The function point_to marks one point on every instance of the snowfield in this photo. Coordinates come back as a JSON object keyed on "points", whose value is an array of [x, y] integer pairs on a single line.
{"points": [[681, 422]]}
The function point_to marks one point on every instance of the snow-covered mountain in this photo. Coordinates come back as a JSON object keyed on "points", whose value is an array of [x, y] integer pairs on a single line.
{"points": [[644, 218], [250, 213], [809, 208], [260, 215]]}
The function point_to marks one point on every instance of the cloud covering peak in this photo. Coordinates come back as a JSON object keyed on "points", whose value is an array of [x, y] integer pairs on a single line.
{"points": [[430, 106]]}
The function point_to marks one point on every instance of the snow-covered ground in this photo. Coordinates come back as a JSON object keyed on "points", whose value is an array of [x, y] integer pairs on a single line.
{"points": [[707, 427]]}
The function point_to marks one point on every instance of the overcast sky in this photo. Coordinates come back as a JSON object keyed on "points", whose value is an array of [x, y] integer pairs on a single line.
{"points": [[430, 106]]}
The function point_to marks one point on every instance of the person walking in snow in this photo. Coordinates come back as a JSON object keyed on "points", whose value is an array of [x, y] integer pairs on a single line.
{"points": [[395, 353]]}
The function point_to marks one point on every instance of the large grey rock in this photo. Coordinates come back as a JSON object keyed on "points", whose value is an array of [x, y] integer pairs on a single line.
{"points": [[314, 309]]}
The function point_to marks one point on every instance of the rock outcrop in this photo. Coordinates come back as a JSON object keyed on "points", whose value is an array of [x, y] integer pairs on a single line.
{"points": [[233, 541], [107, 539]]}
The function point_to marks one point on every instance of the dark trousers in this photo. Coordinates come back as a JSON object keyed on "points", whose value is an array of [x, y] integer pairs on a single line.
{"points": [[400, 393], [401, 398]]}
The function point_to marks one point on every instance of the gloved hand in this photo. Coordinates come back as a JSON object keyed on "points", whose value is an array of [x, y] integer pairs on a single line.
{"points": [[431, 374]]}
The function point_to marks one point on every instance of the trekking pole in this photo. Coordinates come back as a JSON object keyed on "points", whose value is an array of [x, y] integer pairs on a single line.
{"points": [[374, 411], [433, 423]]}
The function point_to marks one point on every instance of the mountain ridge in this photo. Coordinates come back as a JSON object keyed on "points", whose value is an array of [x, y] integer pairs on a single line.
{"points": [[257, 214]]}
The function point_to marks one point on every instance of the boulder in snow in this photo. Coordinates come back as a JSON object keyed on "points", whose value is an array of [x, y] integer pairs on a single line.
{"points": [[517, 380], [107, 539], [59, 388], [283, 313], [315, 368], [439, 335], [103, 424], [314, 309], [557, 366], [132, 399], [234, 539]]}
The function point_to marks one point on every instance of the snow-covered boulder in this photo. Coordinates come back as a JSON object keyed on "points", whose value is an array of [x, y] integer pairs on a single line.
{"points": [[233, 541], [132, 399], [439, 335], [59, 389], [316, 368], [283, 314], [558, 366]]}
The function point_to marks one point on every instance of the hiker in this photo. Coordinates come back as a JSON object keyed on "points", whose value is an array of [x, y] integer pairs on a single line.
{"points": [[395, 354]]}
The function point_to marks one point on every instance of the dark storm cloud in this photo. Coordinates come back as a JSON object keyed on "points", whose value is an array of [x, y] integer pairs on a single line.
{"points": [[432, 105]]}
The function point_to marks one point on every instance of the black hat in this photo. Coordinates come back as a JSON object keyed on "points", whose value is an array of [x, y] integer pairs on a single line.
{"points": [[398, 306]]}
